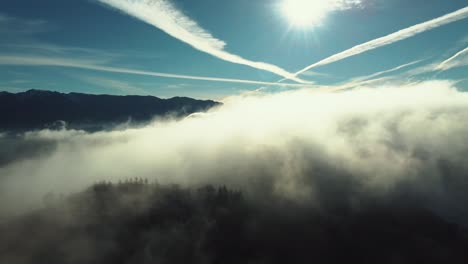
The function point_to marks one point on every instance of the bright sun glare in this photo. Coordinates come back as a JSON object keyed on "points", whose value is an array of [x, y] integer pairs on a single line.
{"points": [[305, 13]]}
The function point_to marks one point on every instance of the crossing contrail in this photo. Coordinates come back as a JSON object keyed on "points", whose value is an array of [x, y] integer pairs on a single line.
{"points": [[166, 17], [391, 38]]}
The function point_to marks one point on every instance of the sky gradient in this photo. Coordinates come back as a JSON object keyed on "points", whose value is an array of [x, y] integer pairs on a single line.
{"points": [[213, 49]]}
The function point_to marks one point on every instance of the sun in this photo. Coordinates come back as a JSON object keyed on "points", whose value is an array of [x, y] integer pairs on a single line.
{"points": [[304, 13]]}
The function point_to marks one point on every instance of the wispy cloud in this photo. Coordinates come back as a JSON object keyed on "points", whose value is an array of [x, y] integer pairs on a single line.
{"points": [[455, 60], [166, 17], [47, 48], [391, 38], [13, 25], [95, 65], [3, 18], [460, 59], [121, 86], [380, 73], [347, 4], [408, 76]]}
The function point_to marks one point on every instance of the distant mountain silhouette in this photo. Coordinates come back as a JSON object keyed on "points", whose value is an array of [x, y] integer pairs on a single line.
{"points": [[36, 109]]}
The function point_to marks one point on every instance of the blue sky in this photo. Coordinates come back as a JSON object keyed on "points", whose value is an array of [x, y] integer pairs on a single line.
{"points": [[214, 49]]}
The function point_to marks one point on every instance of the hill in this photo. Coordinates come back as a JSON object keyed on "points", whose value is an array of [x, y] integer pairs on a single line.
{"points": [[36, 109], [141, 222]]}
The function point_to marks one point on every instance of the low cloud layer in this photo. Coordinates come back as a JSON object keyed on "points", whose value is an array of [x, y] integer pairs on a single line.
{"points": [[321, 149]]}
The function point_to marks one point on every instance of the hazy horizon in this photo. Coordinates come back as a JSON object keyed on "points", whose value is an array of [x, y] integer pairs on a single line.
{"points": [[212, 50]]}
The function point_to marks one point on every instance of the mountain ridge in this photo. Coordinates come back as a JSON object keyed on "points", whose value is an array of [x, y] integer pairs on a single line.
{"points": [[38, 109]]}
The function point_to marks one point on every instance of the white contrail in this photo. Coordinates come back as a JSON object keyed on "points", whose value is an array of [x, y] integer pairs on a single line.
{"points": [[445, 65], [93, 65], [392, 38], [166, 17]]}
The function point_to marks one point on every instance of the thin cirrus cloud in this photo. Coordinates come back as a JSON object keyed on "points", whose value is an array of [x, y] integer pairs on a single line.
{"points": [[457, 60], [166, 17], [10, 25], [377, 74], [391, 38], [121, 86], [22, 60], [454, 61]]}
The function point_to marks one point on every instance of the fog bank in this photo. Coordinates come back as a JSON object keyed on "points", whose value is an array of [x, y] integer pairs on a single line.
{"points": [[396, 142]]}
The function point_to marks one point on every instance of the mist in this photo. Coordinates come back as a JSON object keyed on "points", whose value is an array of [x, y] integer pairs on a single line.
{"points": [[323, 149], [375, 174]]}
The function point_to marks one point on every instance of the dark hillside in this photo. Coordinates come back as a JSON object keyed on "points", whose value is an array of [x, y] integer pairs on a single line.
{"points": [[137, 222], [37, 109]]}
